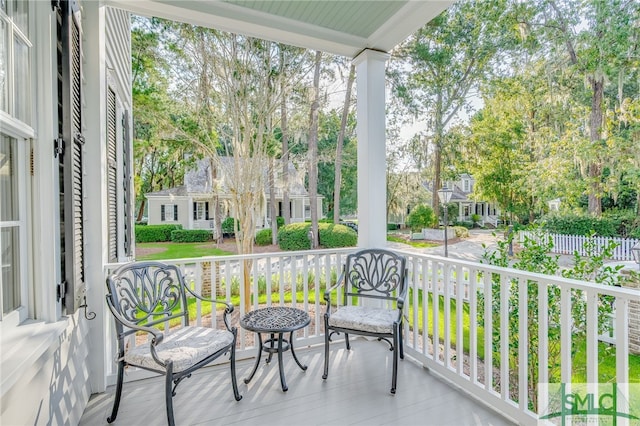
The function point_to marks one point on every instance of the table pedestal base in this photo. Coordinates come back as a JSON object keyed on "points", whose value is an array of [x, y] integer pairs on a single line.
{"points": [[271, 346]]}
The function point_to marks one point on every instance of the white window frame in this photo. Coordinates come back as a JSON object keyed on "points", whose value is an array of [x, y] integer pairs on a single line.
{"points": [[201, 210], [467, 185], [22, 134], [168, 213]]}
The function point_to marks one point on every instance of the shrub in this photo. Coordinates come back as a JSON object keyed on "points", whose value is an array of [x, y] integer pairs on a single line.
{"points": [[296, 236], [190, 235], [227, 226], [154, 233], [421, 217], [263, 237], [581, 225], [279, 221], [461, 231], [393, 226], [333, 236], [465, 224]]}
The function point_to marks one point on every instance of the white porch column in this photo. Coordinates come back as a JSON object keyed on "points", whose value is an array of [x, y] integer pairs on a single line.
{"points": [[372, 194], [95, 192]]}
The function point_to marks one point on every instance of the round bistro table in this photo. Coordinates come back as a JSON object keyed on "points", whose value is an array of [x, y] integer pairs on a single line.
{"points": [[275, 320]]}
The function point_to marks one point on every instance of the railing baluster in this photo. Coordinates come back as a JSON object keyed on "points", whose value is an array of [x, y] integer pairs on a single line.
{"points": [[423, 285], [523, 344], [473, 325], [269, 280], [447, 314], [317, 282], [488, 333], [543, 332], [592, 336], [505, 287], [435, 299], [414, 286], [460, 286], [566, 326]]}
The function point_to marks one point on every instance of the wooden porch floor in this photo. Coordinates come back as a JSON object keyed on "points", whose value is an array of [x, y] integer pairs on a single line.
{"points": [[356, 392]]}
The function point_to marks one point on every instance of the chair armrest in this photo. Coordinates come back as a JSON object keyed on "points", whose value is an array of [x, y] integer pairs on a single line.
{"points": [[403, 294], [157, 334], [227, 310], [339, 283]]}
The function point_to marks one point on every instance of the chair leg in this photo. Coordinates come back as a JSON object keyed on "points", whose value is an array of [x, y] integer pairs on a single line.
{"points": [[346, 340], [116, 402], [394, 378], [168, 398], [234, 381], [401, 343], [326, 349]]}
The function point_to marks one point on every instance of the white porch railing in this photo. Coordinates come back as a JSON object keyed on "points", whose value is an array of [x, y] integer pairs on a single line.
{"points": [[500, 367], [569, 244]]}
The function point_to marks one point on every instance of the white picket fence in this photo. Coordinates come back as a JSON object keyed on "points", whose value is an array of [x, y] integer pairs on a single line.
{"points": [[569, 244]]}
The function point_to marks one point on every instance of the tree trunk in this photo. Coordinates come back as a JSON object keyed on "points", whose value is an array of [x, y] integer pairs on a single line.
{"points": [[313, 151], [286, 211], [141, 210], [437, 156], [272, 202], [339, 142], [437, 183], [595, 124]]}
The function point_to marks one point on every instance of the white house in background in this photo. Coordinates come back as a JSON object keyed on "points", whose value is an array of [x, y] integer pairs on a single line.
{"points": [[65, 160], [554, 205], [191, 204], [467, 207]]}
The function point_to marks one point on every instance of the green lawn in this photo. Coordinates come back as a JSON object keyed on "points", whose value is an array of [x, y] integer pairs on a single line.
{"points": [[179, 250]]}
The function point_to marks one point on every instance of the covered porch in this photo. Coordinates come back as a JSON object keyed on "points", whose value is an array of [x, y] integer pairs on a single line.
{"points": [[489, 378], [58, 354]]}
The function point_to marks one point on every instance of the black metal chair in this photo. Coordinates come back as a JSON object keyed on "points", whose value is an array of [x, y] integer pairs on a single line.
{"points": [[368, 275], [146, 300]]}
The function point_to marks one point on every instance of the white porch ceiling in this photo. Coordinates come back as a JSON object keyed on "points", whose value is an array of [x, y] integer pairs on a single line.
{"points": [[341, 27]]}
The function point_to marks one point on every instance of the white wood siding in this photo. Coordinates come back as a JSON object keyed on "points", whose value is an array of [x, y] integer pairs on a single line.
{"points": [[52, 387]]}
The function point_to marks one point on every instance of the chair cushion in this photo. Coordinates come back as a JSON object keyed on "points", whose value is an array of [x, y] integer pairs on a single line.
{"points": [[374, 320], [185, 346]]}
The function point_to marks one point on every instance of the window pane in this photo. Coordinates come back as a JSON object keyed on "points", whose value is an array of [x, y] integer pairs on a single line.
{"points": [[4, 49], [21, 15], [10, 281], [8, 180], [22, 84]]}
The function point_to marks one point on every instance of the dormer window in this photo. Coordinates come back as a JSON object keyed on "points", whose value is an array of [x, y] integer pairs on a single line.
{"points": [[466, 184]]}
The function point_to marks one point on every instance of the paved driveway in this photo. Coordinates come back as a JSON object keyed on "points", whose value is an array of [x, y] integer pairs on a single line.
{"points": [[470, 248]]}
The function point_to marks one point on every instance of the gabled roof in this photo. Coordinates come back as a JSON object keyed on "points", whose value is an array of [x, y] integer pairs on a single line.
{"points": [[178, 191], [341, 27], [198, 181]]}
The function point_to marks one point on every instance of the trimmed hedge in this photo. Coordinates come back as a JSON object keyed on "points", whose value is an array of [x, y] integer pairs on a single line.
{"points": [[296, 236], [581, 225], [335, 235], [190, 236], [154, 233], [263, 237]]}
